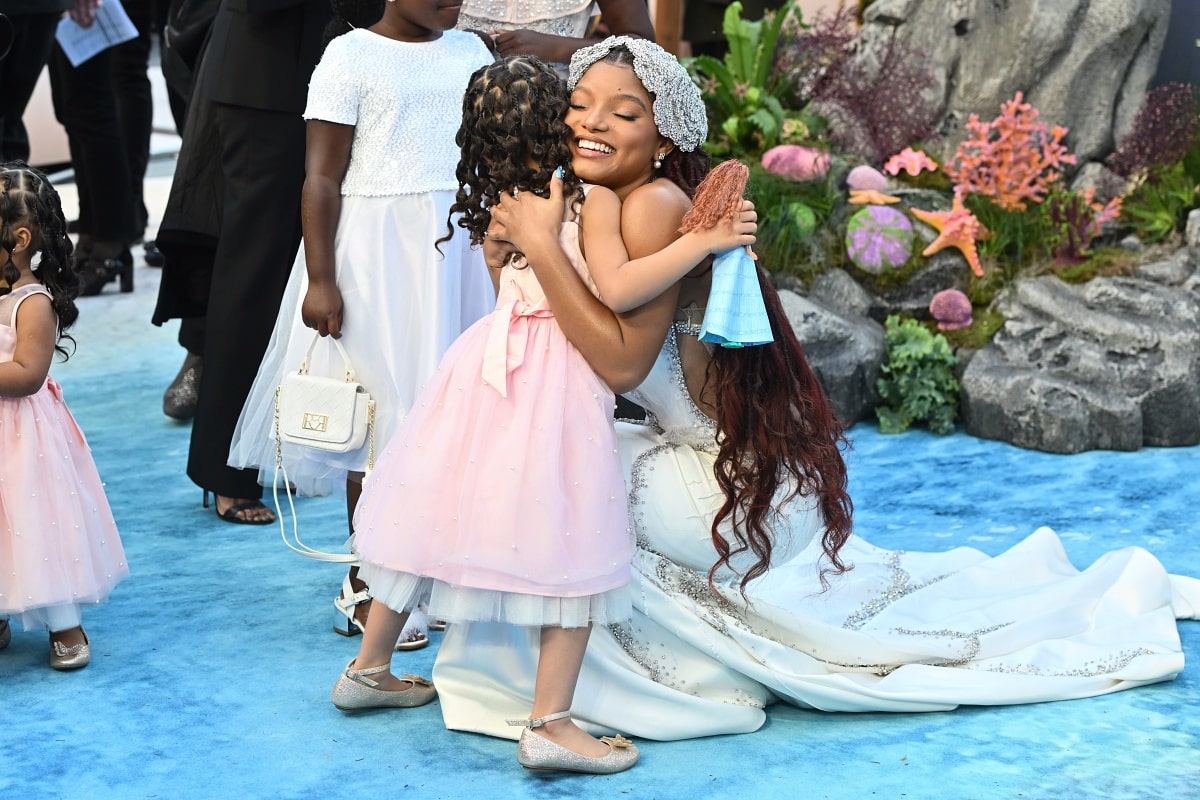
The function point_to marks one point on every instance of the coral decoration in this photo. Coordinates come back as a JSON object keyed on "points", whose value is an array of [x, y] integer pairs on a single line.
{"points": [[795, 162], [952, 310], [879, 238], [1077, 218], [957, 227], [1014, 159], [871, 197], [914, 162], [865, 177]]}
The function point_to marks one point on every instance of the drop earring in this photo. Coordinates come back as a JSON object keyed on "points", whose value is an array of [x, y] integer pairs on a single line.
{"points": [[658, 159]]}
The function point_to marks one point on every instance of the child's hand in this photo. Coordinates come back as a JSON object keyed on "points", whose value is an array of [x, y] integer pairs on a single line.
{"points": [[526, 216], [732, 232], [322, 309], [497, 250]]}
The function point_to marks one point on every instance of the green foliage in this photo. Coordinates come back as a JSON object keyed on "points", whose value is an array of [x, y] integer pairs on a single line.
{"points": [[918, 382], [1159, 205], [1015, 238], [979, 332], [745, 113], [793, 218]]}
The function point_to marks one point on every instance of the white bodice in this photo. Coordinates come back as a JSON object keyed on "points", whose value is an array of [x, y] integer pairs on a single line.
{"points": [[668, 404], [404, 100], [561, 17]]}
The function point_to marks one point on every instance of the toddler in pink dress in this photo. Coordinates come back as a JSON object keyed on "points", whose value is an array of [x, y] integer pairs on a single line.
{"points": [[58, 541]]}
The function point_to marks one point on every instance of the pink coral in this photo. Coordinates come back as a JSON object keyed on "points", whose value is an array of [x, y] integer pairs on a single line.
{"points": [[864, 178], [1014, 159], [914, 162], [952, 310], [796, 162]]}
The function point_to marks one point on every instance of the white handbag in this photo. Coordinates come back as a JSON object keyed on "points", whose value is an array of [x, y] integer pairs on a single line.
{"points": [[331, 414]]}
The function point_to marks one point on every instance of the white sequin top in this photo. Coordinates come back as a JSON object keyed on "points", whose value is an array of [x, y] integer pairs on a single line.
{"points": [[404, 100], [559, 17]]}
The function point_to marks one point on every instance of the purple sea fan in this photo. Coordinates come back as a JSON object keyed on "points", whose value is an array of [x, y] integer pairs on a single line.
{"points": [[952, 310], [879, 238]]}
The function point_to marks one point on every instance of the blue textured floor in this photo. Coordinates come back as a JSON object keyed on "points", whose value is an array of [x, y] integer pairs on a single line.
{"points": [[213, 662]]}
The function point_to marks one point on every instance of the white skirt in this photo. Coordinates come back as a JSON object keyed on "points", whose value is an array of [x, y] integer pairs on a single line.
{"points": [[403, 304]]}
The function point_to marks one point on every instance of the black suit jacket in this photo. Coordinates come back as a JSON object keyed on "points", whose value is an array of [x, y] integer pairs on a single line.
{"points": [[261, 53]]}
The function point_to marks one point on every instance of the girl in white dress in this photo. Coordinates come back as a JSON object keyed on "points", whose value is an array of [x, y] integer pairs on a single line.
{"points": [[383, 108]]}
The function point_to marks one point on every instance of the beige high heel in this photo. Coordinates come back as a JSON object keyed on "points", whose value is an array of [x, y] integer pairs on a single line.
{"points": [[535, 751]]}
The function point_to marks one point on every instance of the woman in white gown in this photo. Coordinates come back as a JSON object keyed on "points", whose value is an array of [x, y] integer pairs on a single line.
{"points": [[897, 632]]}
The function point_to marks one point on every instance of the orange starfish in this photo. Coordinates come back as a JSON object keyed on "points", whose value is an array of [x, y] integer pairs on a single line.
{"points": [[872, 197], [957, 227]]}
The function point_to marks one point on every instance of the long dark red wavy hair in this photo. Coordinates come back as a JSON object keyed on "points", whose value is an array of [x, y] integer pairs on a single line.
{"points": [[776, 431]]}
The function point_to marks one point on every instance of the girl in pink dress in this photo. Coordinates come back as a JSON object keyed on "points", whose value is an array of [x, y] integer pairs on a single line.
{"points": [[502, 498], [58, 541]]}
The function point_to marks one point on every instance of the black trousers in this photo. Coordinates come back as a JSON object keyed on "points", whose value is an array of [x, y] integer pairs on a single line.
{"points": [[33, 39], [262, 156], [86, 105]]}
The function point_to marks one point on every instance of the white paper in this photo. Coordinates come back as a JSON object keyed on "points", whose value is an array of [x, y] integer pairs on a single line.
{"points": [[112, 27]]}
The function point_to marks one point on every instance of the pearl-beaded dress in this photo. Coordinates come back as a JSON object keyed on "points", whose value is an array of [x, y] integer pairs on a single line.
{"points": [[59, 547]]}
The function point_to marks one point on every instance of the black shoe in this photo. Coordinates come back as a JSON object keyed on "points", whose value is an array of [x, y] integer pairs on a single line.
{"points": [[152, 255], [179, 401], [95, 273]]}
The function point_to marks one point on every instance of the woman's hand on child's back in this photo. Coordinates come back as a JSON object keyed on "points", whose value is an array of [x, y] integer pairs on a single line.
{"points": [[528, 220], [322, 309]]}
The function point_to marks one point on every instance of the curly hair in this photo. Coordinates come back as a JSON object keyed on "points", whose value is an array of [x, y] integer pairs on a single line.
{"points": [[776, 430], [513, 136], [351, 14], [28, 199]]}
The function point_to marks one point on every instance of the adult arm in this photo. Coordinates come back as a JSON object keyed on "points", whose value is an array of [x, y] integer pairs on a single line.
{"points": [[621, 17], [326, 157], [621, 348]]}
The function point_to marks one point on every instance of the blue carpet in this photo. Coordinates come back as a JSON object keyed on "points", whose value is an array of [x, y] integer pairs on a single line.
{"points": [[213, 662]]}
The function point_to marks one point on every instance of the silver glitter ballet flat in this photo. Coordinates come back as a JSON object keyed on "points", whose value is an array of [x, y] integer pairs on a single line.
{"points": [[354, 691], [535, 751], [76, 656]]}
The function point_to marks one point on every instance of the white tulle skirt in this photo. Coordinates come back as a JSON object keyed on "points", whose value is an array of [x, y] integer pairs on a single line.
{"points": [[403, 305]]}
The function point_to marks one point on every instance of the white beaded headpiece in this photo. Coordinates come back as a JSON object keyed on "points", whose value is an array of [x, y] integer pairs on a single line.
{"points": [[679, 111]]}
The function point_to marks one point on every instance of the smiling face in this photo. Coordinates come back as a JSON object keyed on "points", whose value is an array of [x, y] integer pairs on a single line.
{"points": [[615, 138]]}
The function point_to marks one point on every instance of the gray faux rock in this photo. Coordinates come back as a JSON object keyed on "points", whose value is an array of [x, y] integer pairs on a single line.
{"points": [[837, 290], [1112, 364], [845, 350], [1173, 272], [1084, 64], [945, 269], [1192, 237]]}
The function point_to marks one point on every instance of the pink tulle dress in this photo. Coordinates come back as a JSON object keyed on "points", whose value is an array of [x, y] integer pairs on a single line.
{"points": [[501, 497], [58, 542]]}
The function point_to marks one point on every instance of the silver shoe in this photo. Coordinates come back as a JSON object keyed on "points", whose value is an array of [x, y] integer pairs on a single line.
{"points": [[76, 656], [354, 691], [537, 752], [5, 633]]}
